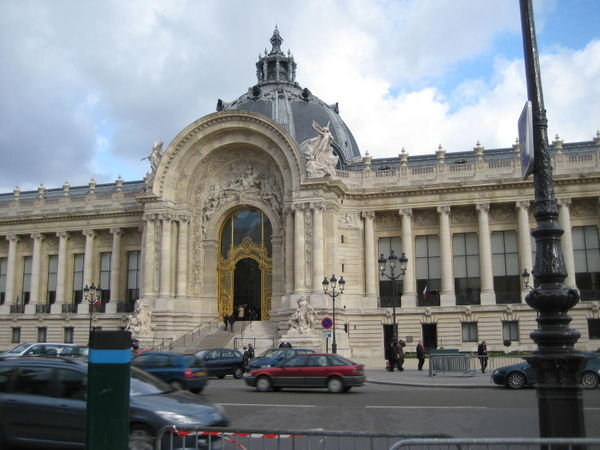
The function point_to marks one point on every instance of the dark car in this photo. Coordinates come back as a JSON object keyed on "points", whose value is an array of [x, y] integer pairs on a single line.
{"points": [[519, 375], [179, 370], [75, 351], [274, 356], [312, 370], [43, 404], [222, 361]]}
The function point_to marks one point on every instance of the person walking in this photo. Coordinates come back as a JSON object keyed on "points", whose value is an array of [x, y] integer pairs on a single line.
{"points": [[250, 351], [396, 357], [421, 354], [483, 355], [225, 321], [231, 320]]}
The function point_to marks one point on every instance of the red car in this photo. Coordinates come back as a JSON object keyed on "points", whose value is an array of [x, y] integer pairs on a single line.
{"points": [[312, 370]]}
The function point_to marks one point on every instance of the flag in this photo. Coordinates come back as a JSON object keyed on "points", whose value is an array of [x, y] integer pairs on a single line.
{"points": [[425, 292], [96, 302]]}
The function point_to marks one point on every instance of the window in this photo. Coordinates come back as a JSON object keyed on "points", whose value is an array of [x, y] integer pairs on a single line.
{"points": [[594, 328], [71, 384], [77, 278], [34, 381], [505, 264], [3, 269], [510, 330], [390, 292], [52, 277], [104, 284], [133, 275], [428, 270], [246, 223], [467, 286], [42, 333], [27, 262], [586, 251], [68, 335], [15, 335], [469, 331]]}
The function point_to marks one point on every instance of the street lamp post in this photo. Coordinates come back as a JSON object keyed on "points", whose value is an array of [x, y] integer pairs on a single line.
{"points": [[91, 294], [556, 362], [401, 262], [333, 294]]}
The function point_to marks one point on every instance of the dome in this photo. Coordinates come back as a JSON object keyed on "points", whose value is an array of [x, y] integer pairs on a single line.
{"points": [[280, 98]]}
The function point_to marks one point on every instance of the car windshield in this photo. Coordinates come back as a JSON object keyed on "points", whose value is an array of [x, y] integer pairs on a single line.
{"points": [[143, 383], [19, 348], [269, 353]]}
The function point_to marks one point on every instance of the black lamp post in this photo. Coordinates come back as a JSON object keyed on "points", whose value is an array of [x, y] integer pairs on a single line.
{"points": [[560, 403], [91, 295], [333, 294], [393, 260]]}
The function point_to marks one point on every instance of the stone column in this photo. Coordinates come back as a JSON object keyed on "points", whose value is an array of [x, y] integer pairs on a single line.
{"points": [[289, 251], [149, 252], [182, 256], [447, 297], [36, 261], [11, 269], [564, 219], [165, 256], [61, 274], [299, 282], [370, 259], [317, 246], [486, 272], [115, 265], [409, 296], [88, 264], [524, 233]]}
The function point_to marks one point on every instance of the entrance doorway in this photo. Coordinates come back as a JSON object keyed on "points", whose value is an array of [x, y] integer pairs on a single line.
{"points": [[247, 289], [429, 336]]}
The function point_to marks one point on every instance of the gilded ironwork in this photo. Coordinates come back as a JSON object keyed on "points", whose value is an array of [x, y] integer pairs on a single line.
{"points": [[226, 268]]}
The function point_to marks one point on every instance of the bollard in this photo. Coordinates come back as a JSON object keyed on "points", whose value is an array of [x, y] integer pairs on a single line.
{"points": [[109, 371]]}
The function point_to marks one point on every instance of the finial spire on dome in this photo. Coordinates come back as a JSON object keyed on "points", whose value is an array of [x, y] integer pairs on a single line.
{"points": [[276, 41], [276, 66]]}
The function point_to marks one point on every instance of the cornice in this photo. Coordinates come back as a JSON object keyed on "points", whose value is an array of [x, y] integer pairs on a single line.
{"points": [[69, 217]]}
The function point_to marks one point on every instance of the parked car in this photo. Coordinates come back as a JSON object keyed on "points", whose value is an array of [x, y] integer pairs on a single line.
{"points": [[179, 370], [37, 349], [520, 375], [312, 370], [75, 350], [43, 404], [274, 356], [222, 361]]}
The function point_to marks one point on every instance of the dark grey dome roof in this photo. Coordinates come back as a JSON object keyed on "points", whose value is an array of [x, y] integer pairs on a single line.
{"points": [[278, 97]]}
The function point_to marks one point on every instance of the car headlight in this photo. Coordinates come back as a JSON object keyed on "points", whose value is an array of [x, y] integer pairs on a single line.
{"points": [[176, 418]]}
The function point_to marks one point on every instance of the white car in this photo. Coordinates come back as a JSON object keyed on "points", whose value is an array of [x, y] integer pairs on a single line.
{"points": [[37, 349]]}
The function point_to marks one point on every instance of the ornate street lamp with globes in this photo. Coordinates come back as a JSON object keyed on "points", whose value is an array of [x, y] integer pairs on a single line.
{"points": [[399, 263], [91, 294], [333, 282]]}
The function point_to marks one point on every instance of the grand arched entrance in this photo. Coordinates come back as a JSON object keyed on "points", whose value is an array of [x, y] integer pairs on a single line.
{"points": [[245, 265]]}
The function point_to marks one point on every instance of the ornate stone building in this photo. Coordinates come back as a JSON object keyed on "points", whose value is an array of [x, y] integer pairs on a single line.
{"points": [[253, 205]]}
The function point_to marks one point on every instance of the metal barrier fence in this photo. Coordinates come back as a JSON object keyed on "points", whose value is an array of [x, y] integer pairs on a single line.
{"points": [[498, 443], [467, 364], [213, 438]]}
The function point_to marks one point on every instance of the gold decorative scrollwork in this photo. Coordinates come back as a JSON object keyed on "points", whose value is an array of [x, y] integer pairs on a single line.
{"points": [[225, 275]]}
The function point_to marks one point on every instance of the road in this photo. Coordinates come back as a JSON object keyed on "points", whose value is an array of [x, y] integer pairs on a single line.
{"points": [[484, 412]]}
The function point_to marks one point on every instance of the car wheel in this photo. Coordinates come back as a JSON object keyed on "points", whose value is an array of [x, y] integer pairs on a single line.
{"points": [[335, 385], [220, 377], [140, 438], [515, 380], [589, 380], [263, 384], [175, 384], [238, 373]]}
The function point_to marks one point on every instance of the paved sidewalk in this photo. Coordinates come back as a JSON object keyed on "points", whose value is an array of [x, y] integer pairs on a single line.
{"points": [[410, 376]]}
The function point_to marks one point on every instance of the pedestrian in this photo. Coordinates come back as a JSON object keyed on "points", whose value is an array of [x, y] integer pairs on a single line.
{"points": [[396, 357], [246, 356], [250, 351], [225, 320], [483, 355], [282, 344], [231, 320], [421, 354], [241, 311]]}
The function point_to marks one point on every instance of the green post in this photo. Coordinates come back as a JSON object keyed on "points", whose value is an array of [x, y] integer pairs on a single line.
{"points": [[109, 368]]}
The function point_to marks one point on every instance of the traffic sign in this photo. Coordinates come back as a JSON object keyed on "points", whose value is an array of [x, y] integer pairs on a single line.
{"points": [[327, 322]]}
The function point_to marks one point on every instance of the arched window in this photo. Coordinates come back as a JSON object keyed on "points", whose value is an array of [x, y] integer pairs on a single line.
{"points": [[246, 223]]}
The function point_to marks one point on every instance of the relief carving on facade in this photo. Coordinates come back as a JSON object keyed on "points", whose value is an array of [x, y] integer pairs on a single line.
{"points": [[584, 208], [502, 213], [426, 217], [347, 220], [463, 215]]}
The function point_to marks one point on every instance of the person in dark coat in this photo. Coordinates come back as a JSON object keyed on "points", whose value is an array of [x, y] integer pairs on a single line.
{"points": [[225, 321], [231, 320], [396, 357], [483, 355], [421, 354], [250, 351]]}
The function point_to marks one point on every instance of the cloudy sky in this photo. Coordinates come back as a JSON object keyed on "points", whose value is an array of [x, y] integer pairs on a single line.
{"points": [[87, 86]]}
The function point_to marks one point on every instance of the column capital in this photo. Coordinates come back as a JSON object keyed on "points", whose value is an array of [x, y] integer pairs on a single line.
{"points": [[408, 212], [314, 206], [37, 236], [167, 217], [117, 231], [483, 207], [151, 217], [299, 207], [62, 234], [12, 237], [370, 215], [89, 233], [564, 202], [444, 209], [184, 217], [525, 204]]}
